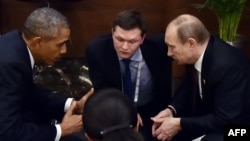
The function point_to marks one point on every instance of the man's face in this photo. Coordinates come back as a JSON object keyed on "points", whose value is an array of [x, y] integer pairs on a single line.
{"points": [[126, 42], [180, 52], [51, 50]]}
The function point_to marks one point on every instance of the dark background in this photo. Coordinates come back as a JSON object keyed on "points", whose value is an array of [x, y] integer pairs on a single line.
{"points": [[90, 18]]}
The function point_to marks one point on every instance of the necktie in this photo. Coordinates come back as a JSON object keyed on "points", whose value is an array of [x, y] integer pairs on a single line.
{"points": [[35, 71], [128, 86]]}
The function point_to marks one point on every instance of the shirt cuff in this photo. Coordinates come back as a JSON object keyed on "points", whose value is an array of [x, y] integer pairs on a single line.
{"points": [[172, 109], [67, 104], [58, 132]]}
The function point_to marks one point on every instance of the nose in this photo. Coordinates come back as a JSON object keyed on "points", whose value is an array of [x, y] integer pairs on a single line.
{"points": [[169, 53], [125, 45], [63, 49]]}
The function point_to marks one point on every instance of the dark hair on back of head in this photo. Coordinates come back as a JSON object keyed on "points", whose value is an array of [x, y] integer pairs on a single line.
{"points": [[109, 115], [130, 19]]}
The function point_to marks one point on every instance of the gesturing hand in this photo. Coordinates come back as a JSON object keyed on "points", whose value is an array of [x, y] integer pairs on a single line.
{"points": [[71, 122]]}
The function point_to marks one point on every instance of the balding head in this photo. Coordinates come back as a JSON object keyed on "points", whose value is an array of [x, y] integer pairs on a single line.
{"points": [[187, 38], [188, 26]]}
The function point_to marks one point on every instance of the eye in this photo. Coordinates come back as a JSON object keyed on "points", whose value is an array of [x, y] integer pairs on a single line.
{"points": [[133, 41], [119, 39], [61, 44], [170, 46]]}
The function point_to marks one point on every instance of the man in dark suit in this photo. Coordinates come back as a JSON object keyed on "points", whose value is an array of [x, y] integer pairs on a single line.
{"points": [[27, 110], [149, 65], [219, 96]]}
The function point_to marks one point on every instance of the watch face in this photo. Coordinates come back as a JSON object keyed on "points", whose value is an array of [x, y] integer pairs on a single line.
{"points": [[68, 77]]}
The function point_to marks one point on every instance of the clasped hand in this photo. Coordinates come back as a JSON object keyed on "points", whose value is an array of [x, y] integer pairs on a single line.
{"points": [[165, 126]]}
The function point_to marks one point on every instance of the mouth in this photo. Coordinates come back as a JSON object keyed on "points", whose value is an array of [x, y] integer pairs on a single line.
{"points": [[124, 56]]}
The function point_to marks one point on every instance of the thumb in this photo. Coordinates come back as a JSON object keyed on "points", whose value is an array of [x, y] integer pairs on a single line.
{"points": [[82, 101], [157, 120], [88, 94]]}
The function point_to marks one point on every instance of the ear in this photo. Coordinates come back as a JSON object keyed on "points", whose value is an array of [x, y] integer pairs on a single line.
{"points": [[192, 42], [112, 30], [35, 42], [143, 37]]}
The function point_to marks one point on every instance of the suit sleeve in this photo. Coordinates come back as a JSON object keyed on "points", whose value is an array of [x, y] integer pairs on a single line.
{"points": [[24, 106], [183, 97]]}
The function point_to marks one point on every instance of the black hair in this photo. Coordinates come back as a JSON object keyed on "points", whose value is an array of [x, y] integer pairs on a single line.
{"points": [[109, 115], [130, 19]]}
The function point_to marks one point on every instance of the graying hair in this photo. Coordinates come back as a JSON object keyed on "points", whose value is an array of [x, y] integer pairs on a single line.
{"points": [[189, 26], [44, 22]]}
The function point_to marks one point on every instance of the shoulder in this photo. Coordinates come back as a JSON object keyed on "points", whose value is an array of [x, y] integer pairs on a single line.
{"points": [[100, 46], [100, 40], [12, 45], [155, 43]]}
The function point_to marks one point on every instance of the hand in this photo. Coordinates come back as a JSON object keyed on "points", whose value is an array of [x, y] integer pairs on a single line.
{"points": [[160, 117], [80, 103], [140, 122], [168, 128], [71, 123]]}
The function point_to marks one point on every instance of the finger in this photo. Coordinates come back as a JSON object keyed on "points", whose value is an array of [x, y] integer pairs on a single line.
{"points": [[154, 127], [160, 137], [89, 93], [157, 131], [140, 119], [153, 119], [153, 130], [141, 122]]}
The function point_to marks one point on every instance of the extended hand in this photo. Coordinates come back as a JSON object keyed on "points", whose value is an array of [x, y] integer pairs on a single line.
{"points": [[71, 123]]}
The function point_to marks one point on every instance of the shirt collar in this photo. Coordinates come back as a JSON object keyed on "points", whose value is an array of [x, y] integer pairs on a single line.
{"points": [[31, 58], [198, 64]]}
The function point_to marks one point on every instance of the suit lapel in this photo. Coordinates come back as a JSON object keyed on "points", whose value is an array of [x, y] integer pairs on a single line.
{"points": [[114, 65], [206, 66]]}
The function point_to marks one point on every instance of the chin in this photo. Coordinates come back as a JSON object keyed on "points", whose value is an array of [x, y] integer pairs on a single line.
{"points": [[180, 63], [51, 63], [125, 56]]}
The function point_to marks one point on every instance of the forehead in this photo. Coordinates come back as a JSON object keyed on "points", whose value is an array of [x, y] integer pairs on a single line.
{"points": [[171, 34], [127, 34], [63, 35]]}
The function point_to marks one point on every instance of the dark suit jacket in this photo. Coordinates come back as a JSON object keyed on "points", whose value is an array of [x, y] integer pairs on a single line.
{"points": [[104, 67], [26, 110], [225, 88]]}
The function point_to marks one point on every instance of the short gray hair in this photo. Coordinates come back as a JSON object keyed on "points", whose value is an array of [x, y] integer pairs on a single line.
{"points": [[44, 22], [189, 26]]}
